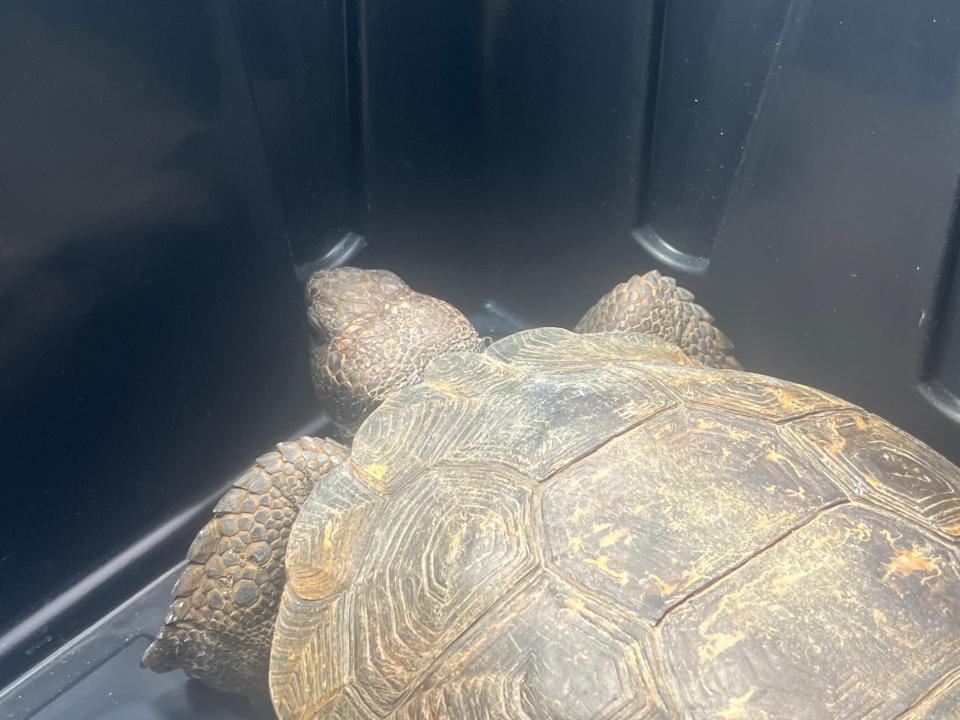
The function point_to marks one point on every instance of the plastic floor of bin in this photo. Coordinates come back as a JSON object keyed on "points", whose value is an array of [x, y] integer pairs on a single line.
{"points": [[98, 676]]}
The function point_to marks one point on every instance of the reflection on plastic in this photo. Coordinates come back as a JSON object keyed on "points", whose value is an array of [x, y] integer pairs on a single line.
{"points": [[342, 252], [667, 254]]}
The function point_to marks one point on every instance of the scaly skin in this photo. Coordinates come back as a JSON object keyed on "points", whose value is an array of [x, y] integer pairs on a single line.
{"points": [[373, 335], [655, 305], [220, 624]]}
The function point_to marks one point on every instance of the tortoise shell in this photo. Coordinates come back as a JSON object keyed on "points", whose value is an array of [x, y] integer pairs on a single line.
{"points": [[590, 526]]}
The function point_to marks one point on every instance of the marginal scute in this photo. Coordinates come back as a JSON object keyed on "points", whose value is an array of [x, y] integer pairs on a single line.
{"points": [[232, 501], [855, 614], [189, 581], [255, 480], [746, 393], [468, 374], [310, 657], [407, 432], [545, 653], [662, 510], [326, 544], [451, 545], [878, 462], [204, 545], [543, 349]]}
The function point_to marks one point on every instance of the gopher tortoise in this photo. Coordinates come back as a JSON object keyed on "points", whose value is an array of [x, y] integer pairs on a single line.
{"points": [[601, 524]]}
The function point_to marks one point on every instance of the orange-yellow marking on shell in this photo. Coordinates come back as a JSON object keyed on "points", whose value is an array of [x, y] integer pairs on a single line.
{"points": [[782, 585], [836, 445], [376, 471], [574, 605], [327, 541], [774, 456], [953, 530], [907, 562], [612, 538], [718, 643], [602, 564], [879, 617], [736, 706], [787, 401], [860, 423], [665, 588]]}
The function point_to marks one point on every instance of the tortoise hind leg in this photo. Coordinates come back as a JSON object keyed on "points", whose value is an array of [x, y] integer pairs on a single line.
{"points": [[220, 625], [656, 305]]}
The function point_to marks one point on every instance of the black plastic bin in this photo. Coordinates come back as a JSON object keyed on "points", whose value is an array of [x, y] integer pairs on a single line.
{"points": [[170, 173]]}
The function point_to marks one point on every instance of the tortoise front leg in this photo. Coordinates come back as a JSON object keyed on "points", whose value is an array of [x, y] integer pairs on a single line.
{"points": [[220, 624], [656, 305]]}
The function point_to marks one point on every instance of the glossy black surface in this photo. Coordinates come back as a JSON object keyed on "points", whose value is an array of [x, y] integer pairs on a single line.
{"points": [[491, 140], [151, 334], [833, 262], [295, 57], [171, 173], [97, 676], [714, 62]]}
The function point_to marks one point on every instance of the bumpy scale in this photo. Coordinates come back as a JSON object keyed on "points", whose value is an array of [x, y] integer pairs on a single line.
{"points": [[373, 335], [655, 305], [220, 625]]}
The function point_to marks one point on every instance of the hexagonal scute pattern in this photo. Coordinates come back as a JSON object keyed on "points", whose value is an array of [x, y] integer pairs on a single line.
{"points": [[746, 393], [546, 652], [675, 503], [450, 547], [879, 462], [854, 615], [535, 533]]}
